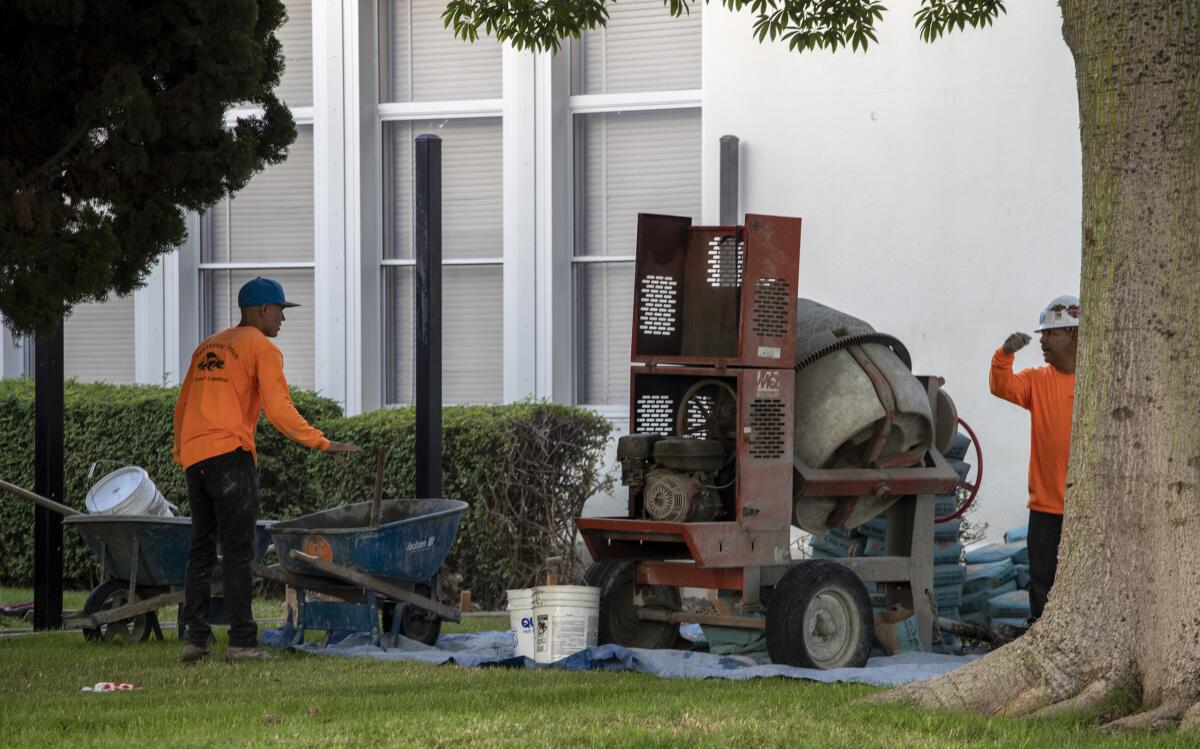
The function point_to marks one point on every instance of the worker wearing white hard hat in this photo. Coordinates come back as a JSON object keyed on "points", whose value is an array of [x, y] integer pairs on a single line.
{"points": [[1048, 393]]}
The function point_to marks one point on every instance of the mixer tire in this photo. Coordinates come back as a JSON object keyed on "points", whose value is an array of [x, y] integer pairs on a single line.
{"points": [[819, 616], [619, 623]]}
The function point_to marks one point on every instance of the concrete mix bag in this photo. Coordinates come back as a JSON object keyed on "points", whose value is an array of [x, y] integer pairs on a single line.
{"points": [[989, 575]]}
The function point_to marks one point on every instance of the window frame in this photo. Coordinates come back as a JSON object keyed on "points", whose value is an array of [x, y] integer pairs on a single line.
{"points": [[588, 104], [386, 112]]}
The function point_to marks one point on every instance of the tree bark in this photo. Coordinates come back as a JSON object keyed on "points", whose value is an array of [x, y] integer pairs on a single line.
{"points": [[1123, 619]]}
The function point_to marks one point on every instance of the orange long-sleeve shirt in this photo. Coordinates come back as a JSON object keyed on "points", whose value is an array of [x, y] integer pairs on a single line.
{"points": [[232, 376], [1049, 396]]}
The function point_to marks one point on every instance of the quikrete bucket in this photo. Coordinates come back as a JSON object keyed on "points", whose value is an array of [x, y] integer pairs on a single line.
{"points": [[520, 619], [127, 491], [565, 620]]}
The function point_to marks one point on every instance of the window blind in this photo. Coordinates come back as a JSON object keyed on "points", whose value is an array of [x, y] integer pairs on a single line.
{"points": [[642, 48], [98, 342], [637, 162], [472, 334], [296, 35], [271, 218], [421, 60], [472, 187]]}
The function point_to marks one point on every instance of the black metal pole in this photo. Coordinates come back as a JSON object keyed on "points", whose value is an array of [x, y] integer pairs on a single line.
{"points": [[428, 240], [48, 481], [729, 180]]}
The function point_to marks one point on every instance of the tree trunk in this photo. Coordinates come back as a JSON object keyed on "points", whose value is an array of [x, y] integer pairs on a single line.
{"points": [[1123, 618]]}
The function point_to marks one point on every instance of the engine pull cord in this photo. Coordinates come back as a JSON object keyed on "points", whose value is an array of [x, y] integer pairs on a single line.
{"points": [[978, 476]]}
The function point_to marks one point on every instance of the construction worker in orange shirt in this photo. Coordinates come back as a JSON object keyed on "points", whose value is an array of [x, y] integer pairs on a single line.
{"points": [[233, 375], [1048, 393]]}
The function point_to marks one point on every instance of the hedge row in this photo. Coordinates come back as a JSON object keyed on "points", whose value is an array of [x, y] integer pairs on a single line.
{"points": [[126, 425], [526, 470]]}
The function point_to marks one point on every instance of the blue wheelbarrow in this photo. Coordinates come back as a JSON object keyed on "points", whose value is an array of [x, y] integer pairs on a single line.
{"points": [[381, 555], [144, 558]]}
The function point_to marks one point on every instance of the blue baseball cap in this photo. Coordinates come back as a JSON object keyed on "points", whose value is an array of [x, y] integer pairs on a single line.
{"points": [[259, 291]]}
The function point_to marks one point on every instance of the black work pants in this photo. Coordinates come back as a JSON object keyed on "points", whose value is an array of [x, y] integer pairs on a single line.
{"points": [[223, 493], [1045, 531]]}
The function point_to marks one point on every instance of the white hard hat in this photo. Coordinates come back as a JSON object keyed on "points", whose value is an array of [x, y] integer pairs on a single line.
{"points": [[1061, 312]]}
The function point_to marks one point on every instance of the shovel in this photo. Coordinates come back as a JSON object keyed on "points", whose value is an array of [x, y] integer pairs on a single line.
{"points": [[38, 499]]}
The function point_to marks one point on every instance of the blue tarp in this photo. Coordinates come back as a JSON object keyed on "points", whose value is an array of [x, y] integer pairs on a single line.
{"points": [[486, 649]]}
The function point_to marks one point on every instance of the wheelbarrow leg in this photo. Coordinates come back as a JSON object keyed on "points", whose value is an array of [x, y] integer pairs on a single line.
{"points": [[298, 638], [133, 571]]}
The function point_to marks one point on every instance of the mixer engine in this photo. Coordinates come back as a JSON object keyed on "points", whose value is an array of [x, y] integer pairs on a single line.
{"points": [[679, 478]]}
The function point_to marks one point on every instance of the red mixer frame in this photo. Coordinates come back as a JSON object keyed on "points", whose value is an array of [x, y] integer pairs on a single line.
{"points": [[720, 303]]}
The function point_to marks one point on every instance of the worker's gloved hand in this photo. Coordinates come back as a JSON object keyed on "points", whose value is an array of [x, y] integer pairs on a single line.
{"points": [[339, 449], [1016, 342]]}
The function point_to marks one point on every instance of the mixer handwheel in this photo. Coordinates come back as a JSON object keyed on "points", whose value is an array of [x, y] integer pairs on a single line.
{"points": [[819, 616], [708, 409], [619, 622]]}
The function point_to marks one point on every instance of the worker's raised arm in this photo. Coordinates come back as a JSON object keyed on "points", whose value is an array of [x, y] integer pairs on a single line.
{"points": [[277, 402], [1004, 383]]}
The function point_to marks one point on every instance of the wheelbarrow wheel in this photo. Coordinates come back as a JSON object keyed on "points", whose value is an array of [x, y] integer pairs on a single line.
{"points": [[619, 622], [110, 595], [415, 623], [819, 616]]}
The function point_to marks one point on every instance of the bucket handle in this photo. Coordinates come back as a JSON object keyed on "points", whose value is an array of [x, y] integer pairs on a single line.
{"points": [[92, 470]]}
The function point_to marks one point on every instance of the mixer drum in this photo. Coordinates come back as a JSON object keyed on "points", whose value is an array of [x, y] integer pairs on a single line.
{"points": [[837, 410]]}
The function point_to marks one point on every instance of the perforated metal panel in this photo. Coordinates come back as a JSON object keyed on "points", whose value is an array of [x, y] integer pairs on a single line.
{"points": [[654, 414], [767, 425], [770, 316], [726, 261], [660, 297], [699, 410]]}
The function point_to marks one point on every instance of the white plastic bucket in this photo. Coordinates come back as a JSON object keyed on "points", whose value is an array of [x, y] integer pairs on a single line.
{"points": [[127, 491], [565, 620], [520, 619]]}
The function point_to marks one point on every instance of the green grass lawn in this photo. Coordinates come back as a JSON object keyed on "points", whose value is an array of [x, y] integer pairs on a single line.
{"points": [[302, 701]]}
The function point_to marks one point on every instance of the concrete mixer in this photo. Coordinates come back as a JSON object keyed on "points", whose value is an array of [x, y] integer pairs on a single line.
{"points": [[752, 411]]}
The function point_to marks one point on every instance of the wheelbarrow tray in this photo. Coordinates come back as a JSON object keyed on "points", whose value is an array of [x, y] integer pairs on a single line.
{"points": [[150, 547], [413, 538]]}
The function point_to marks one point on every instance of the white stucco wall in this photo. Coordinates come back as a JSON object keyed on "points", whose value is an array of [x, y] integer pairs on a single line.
{"points": [[939, 186]]}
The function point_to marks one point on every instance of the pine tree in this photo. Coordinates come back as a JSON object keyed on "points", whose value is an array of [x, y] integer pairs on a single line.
{"points": [[112, 125]]}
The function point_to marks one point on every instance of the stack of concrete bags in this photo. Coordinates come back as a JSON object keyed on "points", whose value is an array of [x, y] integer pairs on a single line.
{"points": [[949, 573], [996, 591]]}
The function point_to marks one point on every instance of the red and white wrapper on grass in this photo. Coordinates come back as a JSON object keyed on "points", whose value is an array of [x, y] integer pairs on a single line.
{"points": [[110, 686]]}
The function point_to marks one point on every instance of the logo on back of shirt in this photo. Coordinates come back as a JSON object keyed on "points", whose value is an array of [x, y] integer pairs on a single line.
{"points": [[211, 361]]}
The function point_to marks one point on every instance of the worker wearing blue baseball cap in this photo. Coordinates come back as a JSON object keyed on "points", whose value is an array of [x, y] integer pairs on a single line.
{"points": [[233, 376]]}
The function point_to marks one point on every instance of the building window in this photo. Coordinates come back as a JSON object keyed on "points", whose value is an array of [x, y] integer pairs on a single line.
{"points": [[433, 83], [266, 229], [636, 141], [296, 36], [98, 342]]}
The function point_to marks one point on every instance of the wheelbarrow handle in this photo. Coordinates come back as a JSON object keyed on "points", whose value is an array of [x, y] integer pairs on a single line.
{"points": [[38, 499]]}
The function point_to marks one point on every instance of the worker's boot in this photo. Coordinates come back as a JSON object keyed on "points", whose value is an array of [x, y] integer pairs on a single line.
{"points": [[193, 653], [255, 653]]}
